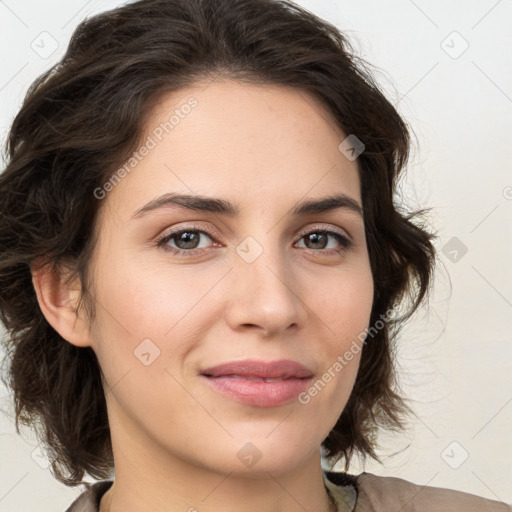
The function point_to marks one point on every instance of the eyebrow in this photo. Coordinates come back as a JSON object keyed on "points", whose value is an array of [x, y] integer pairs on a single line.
{"points": [[224, 207]]}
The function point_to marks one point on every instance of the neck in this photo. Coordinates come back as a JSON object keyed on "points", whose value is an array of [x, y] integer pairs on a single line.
{"points": [[151, 476], [176, 486]]}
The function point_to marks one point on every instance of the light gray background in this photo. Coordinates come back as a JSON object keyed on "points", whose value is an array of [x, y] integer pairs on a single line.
{"points": [[456, 357]]}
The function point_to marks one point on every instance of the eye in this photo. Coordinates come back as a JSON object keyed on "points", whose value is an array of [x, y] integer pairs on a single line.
{"points": [[318, 239], [187, 241]]}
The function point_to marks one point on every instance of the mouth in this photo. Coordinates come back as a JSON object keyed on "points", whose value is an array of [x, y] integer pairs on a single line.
{"points": [[249, 379], [254, 369], [259, 383]]}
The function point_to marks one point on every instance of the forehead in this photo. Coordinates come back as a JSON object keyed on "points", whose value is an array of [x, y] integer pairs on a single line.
{"points": [[267, 145]]}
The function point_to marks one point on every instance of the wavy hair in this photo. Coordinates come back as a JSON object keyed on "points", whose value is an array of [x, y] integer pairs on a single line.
{"points": [[79, 122]]}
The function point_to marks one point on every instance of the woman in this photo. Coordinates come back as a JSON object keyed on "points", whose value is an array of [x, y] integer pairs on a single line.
{"points": [[202, 264]]}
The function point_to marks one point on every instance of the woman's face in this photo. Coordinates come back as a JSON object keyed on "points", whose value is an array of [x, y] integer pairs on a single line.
{"points": [[261, 283]]}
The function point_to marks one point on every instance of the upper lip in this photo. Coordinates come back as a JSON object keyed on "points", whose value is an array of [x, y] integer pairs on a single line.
{"points": [[283, 368]]}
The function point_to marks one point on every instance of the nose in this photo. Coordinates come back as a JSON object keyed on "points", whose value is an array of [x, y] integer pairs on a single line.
{"points": [[264, 294]]}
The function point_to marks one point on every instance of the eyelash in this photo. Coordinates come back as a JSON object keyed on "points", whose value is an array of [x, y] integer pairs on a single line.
{"points": [[162, 241]]}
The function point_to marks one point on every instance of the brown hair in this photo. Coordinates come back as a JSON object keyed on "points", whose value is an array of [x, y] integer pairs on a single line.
{"points": [[80, 121]]}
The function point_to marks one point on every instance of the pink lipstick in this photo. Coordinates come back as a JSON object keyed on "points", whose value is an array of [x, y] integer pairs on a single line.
{"points": [[259, 383]]}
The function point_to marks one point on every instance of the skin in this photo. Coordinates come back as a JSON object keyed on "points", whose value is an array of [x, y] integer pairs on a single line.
{"points": [[175, 440]]}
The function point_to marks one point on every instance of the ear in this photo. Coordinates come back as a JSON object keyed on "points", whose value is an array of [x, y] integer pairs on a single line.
{"points": [[58, 301]]}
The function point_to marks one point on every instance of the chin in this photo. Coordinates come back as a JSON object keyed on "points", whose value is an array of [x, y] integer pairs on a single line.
{"points": [[260, 454]]}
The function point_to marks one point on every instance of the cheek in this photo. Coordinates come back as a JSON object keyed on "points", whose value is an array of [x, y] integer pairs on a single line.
{"points": [[343, 307], [154, 299], [343, 303], [150, 314]]}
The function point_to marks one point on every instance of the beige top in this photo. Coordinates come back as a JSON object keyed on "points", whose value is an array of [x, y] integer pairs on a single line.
{"points": [[363, 493], [390, 494]]}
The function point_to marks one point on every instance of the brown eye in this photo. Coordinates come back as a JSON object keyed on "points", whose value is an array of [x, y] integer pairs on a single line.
{"points": [[184, 241], [318, 241]]}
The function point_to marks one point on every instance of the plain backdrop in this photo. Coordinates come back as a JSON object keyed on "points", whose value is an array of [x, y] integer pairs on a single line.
{"points": [[447, 67]]}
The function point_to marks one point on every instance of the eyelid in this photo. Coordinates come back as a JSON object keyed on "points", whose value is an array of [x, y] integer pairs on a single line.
{"points": [[213, 233], [163, 239], [342, 236], [323, 227], [191, 226]]}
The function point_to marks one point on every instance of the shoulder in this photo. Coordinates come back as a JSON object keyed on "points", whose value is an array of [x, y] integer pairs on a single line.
{"points": [[89, 500], [379, 493]]}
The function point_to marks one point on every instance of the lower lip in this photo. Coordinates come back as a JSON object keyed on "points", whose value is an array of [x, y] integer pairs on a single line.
{"points": [[259, 393]]}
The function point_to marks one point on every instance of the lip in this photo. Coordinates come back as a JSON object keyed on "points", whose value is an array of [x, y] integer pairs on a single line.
{"points": [[243, 381]]}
